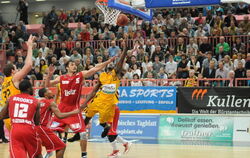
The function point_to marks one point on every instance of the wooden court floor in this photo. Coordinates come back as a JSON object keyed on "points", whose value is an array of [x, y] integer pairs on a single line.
{"points": [[100, 150]]}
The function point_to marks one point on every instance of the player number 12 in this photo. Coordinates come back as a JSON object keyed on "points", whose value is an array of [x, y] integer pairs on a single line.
{"points": [[21, 110]]}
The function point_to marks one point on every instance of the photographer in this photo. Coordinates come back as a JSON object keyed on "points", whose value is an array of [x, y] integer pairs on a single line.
{"points": [[23, 10]]}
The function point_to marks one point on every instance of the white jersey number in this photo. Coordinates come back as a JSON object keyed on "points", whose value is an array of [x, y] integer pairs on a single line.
{"points": [[21, 110]]}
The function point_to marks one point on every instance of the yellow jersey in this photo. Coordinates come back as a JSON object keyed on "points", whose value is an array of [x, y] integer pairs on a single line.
{"points": [[109, 87], [58, 96], [8, 89]]}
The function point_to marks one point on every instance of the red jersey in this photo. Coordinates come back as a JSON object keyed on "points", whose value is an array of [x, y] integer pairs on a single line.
{"points": [[45, 112], [71, 88], [22, 108]]}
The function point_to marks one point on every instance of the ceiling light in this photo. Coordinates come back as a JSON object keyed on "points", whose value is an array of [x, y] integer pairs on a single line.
{"points": [[4, 2]]}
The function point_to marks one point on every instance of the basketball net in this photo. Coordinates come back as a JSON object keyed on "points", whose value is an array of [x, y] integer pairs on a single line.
{"points": [[110, 14]]}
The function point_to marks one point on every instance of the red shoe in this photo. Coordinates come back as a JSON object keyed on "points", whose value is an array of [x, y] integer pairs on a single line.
{"points": [[127, 147], [114, 154]]}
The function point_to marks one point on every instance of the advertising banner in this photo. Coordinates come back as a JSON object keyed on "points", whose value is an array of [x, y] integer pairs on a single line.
{"points": [[131, 126], [180, 127], [221, 100], [147, 99], [242, 129]]}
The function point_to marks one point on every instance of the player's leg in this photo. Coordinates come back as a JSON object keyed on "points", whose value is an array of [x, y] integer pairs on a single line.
{"points": [[113, 135], [106, 117], [16, 148], [31, 141], [90, 112], [51, 142], [2, 134], [76, 124]]}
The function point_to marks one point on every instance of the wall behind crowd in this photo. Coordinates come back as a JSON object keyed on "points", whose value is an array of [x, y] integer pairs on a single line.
{"points": [[9, 13]]}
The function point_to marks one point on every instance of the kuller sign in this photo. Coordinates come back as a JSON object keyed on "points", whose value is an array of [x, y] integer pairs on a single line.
{"points": [[214, 100]]}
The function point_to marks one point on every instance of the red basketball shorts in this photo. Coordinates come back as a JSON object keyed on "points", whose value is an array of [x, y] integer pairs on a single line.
{"points": [[74, 122], [24, 140], [49, 139]]}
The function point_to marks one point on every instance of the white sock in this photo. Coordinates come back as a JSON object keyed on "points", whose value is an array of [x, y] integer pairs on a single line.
{"points": [[114, 146], [121, 140]]}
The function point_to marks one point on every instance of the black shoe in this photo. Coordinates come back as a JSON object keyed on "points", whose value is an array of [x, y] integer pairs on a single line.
{"points": [[105, 131], [5, 140], [74, 138], [64, 140]]}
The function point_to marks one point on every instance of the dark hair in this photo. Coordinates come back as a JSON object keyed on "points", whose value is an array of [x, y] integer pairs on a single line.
{"points": [[8, 69], [25, 85], [42, 92], [67, 64]]}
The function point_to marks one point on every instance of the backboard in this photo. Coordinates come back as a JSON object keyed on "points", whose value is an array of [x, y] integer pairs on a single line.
{"points": [[135, 7], [187, 3]]}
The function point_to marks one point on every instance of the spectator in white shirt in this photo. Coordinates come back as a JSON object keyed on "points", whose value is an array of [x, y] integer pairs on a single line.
{"points": [[146, 63], [239, 58], [136, 81], [171, 66], [39, 57], [136, 70], [44, 49], [64, 55], [194, 64]]}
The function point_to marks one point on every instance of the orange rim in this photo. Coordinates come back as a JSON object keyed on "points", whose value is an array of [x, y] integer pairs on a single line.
{"points": [[102, 2]]}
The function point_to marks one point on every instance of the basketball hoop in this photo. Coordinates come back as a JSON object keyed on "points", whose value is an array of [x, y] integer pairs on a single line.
{"points": [[110, 14]]}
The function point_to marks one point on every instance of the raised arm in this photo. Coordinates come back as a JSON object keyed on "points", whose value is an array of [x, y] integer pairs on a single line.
{"points": [[97, 68], [28, 63], [49, 82], [91, 95], [37, 115], [119, 65], [61, 115], [4, 114]]}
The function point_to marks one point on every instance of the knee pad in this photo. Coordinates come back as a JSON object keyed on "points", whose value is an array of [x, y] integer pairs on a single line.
{"points": [[83, 136], [112, 138]]}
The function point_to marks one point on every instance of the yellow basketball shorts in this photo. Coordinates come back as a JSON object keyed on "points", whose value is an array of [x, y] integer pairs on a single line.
{"points": [[106, 110], [7, 123]]}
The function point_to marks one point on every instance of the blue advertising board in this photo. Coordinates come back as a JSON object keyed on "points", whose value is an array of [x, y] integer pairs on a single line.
{"points": [[179, 3], [146, 99], [131, 126]]}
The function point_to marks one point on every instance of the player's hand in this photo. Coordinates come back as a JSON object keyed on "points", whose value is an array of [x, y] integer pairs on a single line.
{"points": [[52, 69], [112, 59], [83, 106], [30, 41]]}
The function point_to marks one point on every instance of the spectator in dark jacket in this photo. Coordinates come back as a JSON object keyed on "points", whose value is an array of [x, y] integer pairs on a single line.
{"points": [[210, 71]]}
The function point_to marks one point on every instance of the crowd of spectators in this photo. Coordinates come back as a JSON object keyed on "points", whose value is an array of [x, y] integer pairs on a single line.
{"points": [[216, 46]]}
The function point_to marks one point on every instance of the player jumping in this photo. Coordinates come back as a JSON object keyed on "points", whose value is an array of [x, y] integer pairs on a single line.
{"points": [[71, 86]]}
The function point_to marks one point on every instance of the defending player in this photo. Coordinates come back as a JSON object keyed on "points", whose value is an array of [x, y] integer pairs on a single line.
{"points": [[23, 109], [14, 77], [49, 139], [71, 86]]}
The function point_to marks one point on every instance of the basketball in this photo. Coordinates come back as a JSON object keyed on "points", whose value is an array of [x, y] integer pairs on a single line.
{"points": [[122, 20]]}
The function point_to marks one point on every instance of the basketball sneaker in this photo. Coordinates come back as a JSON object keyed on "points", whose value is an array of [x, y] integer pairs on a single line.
{"points": [[114, 154], [105, 131], [127, 147], [74, 138]]}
